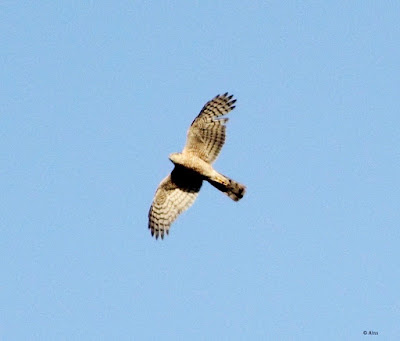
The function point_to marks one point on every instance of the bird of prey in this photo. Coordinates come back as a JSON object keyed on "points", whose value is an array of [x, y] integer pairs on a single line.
{"points": [[177, 192]]}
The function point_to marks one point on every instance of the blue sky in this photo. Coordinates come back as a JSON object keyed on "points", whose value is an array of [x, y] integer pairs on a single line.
{"points": [[95, 95]]}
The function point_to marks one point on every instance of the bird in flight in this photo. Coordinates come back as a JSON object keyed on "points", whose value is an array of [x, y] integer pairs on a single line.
{"points": [[177, 192]]}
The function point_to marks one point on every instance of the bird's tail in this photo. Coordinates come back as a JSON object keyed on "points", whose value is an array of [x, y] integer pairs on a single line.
{"points": [[231, 188]]}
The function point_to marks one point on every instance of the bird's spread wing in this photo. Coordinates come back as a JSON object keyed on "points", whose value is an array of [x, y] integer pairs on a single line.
{"points": [[206, 135], [175, 194]]}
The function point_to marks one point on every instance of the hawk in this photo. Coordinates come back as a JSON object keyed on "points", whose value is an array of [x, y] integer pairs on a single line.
{"points": [[177, 192]]}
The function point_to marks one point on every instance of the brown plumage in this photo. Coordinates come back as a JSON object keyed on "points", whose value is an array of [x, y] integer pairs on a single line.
{"points": [[177, 192]]}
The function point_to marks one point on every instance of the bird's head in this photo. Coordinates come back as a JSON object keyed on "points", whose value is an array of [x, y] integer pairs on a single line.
{"points": [[175, 157]]}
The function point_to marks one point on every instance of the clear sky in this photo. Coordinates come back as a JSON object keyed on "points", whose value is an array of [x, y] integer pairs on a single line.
{"points": [[94, 95]]}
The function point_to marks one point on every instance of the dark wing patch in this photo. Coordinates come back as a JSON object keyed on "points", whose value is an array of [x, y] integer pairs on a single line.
{"points": [[175, 194]]}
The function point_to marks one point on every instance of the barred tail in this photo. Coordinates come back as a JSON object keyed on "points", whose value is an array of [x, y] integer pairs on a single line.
{"points": [[231, 188]]}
